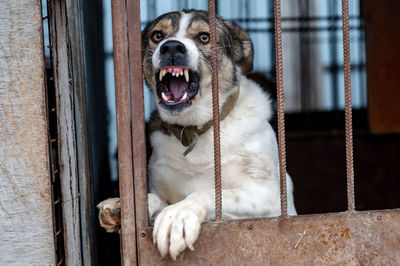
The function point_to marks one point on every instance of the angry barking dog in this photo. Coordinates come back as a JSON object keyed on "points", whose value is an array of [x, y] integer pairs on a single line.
{"points": [[176, 63]]}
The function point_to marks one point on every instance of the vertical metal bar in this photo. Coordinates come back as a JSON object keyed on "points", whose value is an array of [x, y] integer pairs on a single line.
{"points": [[348, 110], [120, 41], [137, 112], [281, 111], [215, 99]]}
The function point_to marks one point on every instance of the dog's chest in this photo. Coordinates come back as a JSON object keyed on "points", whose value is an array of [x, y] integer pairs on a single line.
{"points": [[174, 176]]}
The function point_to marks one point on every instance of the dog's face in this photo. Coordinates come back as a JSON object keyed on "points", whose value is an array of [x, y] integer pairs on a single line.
{"points": [[177, 63]]}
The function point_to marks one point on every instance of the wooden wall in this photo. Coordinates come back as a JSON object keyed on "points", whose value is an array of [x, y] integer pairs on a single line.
{"points": [[26, 227]]}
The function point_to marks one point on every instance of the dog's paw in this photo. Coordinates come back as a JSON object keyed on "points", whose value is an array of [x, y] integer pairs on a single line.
{"points": [[110, 214], [177, 227]]}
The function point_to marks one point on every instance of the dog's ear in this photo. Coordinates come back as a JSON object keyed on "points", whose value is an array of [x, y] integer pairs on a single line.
{"points": [[242, 47]]}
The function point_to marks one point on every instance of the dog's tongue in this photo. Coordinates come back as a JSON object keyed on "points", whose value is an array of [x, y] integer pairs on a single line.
{"points": [[178, 86]]}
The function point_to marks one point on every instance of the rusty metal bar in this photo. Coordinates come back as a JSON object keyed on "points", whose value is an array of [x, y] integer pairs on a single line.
{"points": [[137, 112], [215, 101], [122, 95], [365, 238], [348, 110], [281, 110]]}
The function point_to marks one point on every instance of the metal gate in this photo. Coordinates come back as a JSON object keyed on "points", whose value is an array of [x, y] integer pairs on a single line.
{"points": [[351, 237]]}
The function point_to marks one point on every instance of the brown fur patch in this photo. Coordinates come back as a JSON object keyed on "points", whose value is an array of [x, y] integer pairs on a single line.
{"points": [[166, 27], [242, 47], [196, 27]]}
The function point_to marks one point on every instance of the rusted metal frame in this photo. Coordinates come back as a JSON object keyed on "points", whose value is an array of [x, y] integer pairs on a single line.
{"points": [[348, 108], [280, 104], [137, 113], [122, 93], [215, 103], [367, 237]]}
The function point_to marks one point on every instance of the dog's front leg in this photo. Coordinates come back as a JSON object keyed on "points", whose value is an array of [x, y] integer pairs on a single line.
{"points": [[177, 227], [110, 211]]}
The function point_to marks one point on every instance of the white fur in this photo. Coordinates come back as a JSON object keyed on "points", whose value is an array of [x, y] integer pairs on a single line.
{"points": [[250, 179]]}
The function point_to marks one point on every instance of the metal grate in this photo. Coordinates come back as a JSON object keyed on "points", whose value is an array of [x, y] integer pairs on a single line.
{"points": [[58, 223]]}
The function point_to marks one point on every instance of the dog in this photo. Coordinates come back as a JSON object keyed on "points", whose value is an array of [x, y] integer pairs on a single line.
{"points": [[176, 64]]}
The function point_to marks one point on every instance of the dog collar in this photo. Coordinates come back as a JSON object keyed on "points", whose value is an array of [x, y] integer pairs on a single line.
{"points": [[188, 135]]}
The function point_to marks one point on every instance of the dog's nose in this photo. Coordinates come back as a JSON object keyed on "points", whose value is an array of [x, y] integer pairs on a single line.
{"points": [[173, 47]]}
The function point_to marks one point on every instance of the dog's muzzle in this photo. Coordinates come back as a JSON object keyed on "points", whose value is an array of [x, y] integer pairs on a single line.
{"points": [[177, 84]]}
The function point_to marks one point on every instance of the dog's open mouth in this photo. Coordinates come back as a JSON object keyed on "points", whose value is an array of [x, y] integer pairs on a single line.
{"points": [[177, 86]]}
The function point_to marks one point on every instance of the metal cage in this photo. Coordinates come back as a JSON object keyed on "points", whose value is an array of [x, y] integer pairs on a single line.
{"points": [[367, 237]]}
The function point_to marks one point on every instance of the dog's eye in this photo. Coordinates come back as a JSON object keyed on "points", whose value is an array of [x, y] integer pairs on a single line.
{"points": [[157, 36], [204, 37]]}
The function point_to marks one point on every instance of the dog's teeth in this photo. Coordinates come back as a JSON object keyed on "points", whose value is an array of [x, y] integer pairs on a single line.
{"points": [[186, 73], [184, 96], [164, 96], [162, 73]]}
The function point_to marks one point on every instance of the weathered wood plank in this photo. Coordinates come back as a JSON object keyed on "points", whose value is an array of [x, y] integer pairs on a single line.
{"points": [[63, 76], [26, 229]]}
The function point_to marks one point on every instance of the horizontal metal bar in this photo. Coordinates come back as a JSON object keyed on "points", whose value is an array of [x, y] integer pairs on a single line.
{"points": [[294, 19], [289, 19], [370, 237], [303, 29]]}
